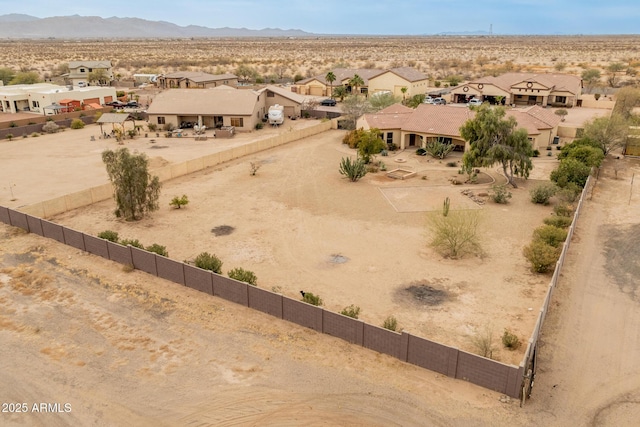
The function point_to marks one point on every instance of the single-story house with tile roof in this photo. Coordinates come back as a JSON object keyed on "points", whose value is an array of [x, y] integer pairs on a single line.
{"points": [[220, 106], [520, 89], [409, 128], [375, 80], [195, 80]]}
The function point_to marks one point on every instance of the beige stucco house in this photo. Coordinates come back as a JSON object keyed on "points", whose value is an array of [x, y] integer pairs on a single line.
{"points": [[195, 80], [408, 128], [521, 89], [37, 97], [220, 106], [79, 72], [375, 80]]}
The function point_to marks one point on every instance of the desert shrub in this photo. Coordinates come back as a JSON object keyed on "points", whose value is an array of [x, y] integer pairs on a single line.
{"points": [[179, 202], [570, 193], [168, 127], [152, 127], [35, 135], [421, 152], [206, 261], [9, 136], [541, 194], [455, 234], [452, 164], [500, 194], [351, 311], [13, 125], [483, 342], [109, 235], [158, 249], [312, 299], [390, 323], [132, 242], [253, 168], [354, 170], [563, 209], [259, 125], [570, 170], [536, 153], [50, 127], [371, 168], [120, 93], [552, 236], [77, 124], [352, 138], [541, 256], [392, 147], [243, 276], [558, 221], [510, 340]]}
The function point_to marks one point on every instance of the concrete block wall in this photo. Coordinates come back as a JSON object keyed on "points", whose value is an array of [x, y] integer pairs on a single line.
{"points": [[449, 361]]}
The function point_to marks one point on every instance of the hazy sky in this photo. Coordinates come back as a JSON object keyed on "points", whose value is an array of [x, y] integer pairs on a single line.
{"points": [[365, 17]]}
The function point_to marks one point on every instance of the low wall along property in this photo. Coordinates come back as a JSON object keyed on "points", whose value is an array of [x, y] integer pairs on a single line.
{"points": [[450, 361], [92, 195]]}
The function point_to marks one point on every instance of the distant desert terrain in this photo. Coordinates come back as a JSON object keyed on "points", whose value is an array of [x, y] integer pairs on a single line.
{"points": [[278, 58]]}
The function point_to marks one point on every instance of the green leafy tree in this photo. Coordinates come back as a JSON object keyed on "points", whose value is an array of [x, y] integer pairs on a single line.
{"points": [[416, 100], [609, 132], [245, 72], [591, 77], [99, 76], [6, 75], [179, 202], [356, 82], [570, 171], [340, 92], [353, 107], [25, 78], [136, 192], [613, 69], [587, 154], [370, 144], [494, 139], [330, 77], [380, 101], [454, 80]]}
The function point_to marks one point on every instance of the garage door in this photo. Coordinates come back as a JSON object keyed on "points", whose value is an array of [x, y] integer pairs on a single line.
{"points": [[91, 101], [315, 90]]}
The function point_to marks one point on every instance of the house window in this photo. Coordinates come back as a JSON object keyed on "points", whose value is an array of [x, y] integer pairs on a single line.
{"points": [[90, 70], [270, 94], [82, 70], [561, 99], [389, 138], [160, 120], [35, 104], [237, 122], [364, 90]]}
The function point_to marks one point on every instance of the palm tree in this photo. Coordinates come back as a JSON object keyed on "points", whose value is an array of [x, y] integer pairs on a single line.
{"points": [[330, 77], [356, 82], [404, 93]]}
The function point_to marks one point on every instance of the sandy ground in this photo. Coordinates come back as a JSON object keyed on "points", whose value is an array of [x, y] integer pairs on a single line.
{"points": [[122, 349], [184, 359], [299, 225]]}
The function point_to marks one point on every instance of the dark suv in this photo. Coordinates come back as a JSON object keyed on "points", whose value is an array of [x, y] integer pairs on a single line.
{"points": [[328, 102]]}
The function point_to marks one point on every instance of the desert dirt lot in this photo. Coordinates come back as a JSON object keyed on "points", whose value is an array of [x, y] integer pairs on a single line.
{"points": [[299, 225], [123, 348]]}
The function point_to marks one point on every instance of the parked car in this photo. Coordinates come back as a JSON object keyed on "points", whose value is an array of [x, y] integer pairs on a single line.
{"points": [[328, 102], [116, 104], [474, 101], [428, 100], [439, 101], [132, 104]]}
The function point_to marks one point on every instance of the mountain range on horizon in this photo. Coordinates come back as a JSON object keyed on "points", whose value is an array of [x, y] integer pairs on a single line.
{"points": [[22, 26]]}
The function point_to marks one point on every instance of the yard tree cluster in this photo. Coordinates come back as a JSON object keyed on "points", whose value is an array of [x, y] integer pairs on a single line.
{"points": [[495, 139]]}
